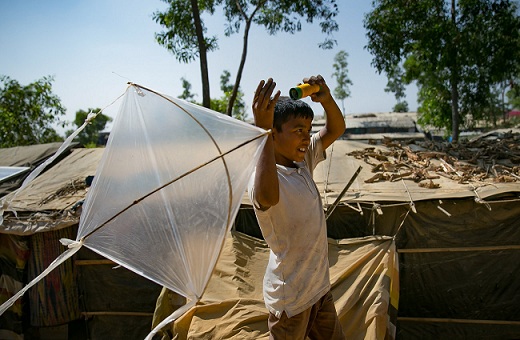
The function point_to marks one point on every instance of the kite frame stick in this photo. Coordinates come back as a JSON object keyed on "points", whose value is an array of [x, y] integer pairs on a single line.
{"points": [[186, 173], [221, 155]]}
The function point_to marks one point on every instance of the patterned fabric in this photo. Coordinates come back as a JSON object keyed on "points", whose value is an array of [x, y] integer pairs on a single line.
{"points": [[14, 253], [53, 300]]}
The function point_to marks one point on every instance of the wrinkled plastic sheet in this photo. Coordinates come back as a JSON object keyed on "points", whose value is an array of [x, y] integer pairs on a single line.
{"points": [[168, 188]]}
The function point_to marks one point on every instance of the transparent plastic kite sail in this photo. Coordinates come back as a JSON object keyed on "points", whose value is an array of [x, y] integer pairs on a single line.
{"points": [[167, 189]]}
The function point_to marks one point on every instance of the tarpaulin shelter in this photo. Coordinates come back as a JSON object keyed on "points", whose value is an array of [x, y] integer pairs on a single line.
{"points": [[456, 229], [185, 184], [456, 246], [83, 297], [15, 251], [28, 157], [454, 234]]}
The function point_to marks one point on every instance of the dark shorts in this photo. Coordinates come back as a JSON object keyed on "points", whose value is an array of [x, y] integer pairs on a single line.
{"points": [[318, 322]]}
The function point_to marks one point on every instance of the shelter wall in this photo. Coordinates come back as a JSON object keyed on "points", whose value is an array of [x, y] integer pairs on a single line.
{"points": [[458, 262]]}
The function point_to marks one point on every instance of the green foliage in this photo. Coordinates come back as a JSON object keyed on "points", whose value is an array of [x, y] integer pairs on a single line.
{"points": [[283, 16], [89, 136], [340, 66], [186, 93], [396, 85], [180, 37], [28, 112], [276, 16], [341, 91], [186, 36], [401, 107], [435, 110], [456, 52], [225, 86], [219, 104]]}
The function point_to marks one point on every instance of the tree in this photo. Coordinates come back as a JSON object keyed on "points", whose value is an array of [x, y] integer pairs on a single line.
{"points": [[184, 36], [239, 107], [396, 86], [186, 32], [219, 104], [456, 52], [28, 112], [186, 93], [276, 16], [341, 91], [401, 107], [89, 136]]}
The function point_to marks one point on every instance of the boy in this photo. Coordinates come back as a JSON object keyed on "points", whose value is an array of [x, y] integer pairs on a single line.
{"points": [[289, 211]]}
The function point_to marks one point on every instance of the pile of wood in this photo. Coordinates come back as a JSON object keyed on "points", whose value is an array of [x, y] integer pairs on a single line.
{"points": [[488, 158]]}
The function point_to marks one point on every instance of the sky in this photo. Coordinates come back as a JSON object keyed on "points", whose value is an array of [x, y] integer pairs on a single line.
{"points": [[93, 48]]}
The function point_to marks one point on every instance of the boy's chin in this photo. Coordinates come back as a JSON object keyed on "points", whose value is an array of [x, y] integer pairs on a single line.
{"points": [[299, 159]]}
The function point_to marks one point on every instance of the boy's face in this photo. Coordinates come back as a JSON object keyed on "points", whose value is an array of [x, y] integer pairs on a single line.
{"points": [[291, 144]]}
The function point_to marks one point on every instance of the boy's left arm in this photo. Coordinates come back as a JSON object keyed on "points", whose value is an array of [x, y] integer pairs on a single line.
{"points": [[335, 122]]}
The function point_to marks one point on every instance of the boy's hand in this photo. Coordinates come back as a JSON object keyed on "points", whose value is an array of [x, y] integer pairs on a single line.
{"points": [[335, 123], [324, 93], [263, 104]]}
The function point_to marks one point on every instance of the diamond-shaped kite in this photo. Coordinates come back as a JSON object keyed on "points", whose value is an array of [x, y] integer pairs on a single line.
{"points": [[166, 191]]}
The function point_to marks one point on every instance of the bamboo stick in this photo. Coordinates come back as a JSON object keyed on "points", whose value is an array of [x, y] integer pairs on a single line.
{"points": [[459, 249], [93, 262], [90, 314], [447, 320]]}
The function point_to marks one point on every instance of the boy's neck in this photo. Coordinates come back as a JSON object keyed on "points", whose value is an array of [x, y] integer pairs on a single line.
{"points": [[285, 162]]}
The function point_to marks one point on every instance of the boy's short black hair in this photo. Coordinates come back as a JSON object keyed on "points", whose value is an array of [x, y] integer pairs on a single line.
{"points": [[287, 108]]}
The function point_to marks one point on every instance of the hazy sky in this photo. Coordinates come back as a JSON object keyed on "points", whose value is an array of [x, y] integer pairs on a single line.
{"points": [[93, 48]]}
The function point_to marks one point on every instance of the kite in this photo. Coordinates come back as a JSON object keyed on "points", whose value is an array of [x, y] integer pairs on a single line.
{"points": [[166, 192]]}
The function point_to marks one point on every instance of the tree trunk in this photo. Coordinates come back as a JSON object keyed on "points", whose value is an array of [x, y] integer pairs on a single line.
{"points": [[234, 93], [454, 82], [206, 99], [454, 107]]}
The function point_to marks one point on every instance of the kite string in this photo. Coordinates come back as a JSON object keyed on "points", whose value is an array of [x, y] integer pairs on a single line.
{"points": [[412, 204], [402, 222], [328, 173]]}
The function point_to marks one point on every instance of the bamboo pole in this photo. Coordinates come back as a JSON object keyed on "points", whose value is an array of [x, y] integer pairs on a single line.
{"points": [[91, 314], [93, 262], [340, 196], [471, 321], [458, 249]]}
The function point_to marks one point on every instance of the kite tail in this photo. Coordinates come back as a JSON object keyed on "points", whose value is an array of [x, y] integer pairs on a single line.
{"points": [[74, 246], [179, 312]]}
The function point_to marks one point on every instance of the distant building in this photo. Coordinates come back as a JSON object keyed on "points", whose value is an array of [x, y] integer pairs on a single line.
{"points": [[513, 114], [103, 138], [376, 126]]}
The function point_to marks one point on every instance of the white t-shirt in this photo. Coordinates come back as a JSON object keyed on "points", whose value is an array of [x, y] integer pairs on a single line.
{"points": [[297, 274]]}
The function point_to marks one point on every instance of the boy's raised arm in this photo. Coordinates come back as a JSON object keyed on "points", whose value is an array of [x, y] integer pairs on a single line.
{"points": [[335, 122], [266, 191]]}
